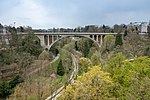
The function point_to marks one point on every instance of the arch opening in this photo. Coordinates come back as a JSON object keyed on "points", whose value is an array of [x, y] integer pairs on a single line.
{"points": [[73, 37]]}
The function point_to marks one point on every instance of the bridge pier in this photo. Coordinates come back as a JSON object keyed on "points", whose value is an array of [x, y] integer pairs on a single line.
{"points": [[42, 40], [101, 41], [93, 37], [57, 37], [97, 38], [52, 38], [48, 41]]}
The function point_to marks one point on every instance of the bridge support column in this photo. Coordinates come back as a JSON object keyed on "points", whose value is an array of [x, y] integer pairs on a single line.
{"points": [[43, 42], [93, 37], [57, 37], [97, 38], [52, 38], [48, 40], [101, 40]]}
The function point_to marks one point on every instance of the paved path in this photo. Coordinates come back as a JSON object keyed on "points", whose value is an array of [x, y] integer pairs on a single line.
{"points": [[58, 92], [38, 69]]}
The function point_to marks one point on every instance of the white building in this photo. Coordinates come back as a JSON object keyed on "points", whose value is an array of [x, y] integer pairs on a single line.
{"points": [[143, 27]]}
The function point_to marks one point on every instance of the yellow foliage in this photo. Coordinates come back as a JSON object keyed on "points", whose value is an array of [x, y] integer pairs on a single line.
{"points": [[83, 61], [92, 85]]}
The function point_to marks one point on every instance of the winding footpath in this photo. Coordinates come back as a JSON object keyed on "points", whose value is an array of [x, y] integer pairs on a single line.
{"points": [[58, 92], [36, 70]]}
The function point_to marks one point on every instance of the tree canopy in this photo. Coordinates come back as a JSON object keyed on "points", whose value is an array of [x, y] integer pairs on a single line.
{"points": [[121, 79], [92, 85]]}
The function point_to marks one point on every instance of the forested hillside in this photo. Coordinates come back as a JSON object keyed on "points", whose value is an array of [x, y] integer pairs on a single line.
{"points": [[119, 69]]}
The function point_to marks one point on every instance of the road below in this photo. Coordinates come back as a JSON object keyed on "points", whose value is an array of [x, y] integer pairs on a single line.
{"points": [[58, 92]]}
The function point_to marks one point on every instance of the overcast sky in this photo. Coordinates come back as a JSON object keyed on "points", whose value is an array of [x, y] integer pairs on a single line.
{"points": [[72, 13]]}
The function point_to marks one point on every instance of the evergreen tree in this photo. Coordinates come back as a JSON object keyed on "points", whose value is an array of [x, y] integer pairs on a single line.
{"points": [[118, 40], [125, 33], [86, 49], [60, 69], [4, 90], [16, 80], [76, 46]]}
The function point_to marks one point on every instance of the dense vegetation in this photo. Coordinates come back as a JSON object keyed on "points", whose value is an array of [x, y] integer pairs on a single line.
{"points": [[49, 76], [120, 69], [120, 79], [17, 56], [6, 87]]}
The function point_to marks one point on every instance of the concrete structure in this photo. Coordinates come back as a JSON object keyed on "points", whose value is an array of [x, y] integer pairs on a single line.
{"points": [[48, 39], [143, 28]]}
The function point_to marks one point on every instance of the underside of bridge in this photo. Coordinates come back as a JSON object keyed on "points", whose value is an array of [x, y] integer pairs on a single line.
{"points": [[47, 41]]}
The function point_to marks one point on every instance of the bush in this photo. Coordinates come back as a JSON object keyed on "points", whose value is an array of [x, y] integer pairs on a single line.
{"points": [[60, 69], [5, 90], [6, 87], [12, 83]]}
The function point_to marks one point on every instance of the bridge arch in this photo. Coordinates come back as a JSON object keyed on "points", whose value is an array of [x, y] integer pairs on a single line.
{"points": [[52, 38], [66, 36]]}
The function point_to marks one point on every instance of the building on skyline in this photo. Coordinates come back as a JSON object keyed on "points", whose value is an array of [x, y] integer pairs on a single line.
{"points": [[141, 26]]}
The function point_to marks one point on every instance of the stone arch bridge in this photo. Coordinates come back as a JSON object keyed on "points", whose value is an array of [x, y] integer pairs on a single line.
{"points": [[48, 39]]}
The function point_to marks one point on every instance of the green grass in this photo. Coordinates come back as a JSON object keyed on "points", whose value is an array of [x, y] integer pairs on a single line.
{"points": [[63, 53], [54, 65]]}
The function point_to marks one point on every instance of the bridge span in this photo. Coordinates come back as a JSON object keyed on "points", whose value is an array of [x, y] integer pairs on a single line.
{"points": [[47, 39]]}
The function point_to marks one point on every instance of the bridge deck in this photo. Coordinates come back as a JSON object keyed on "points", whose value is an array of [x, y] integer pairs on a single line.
{"points": [[74, 33], [68, 33]]}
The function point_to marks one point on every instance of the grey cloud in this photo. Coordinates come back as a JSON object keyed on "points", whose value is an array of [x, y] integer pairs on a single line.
{"points": [[73, 13]]}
